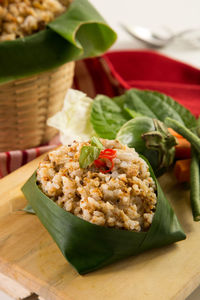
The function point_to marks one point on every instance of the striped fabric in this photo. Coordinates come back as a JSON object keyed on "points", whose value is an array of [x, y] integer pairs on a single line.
{"points": [[92, 76], [10, 161]]}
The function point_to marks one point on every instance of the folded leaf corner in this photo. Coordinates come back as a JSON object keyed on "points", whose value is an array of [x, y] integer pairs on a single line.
{"points": [[79, 33]]}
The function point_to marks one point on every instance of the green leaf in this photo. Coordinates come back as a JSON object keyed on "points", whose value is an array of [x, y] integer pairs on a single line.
{"points": [[80, 32], [88, 155], [158, 106], [108, 116], [132, 112], [96, 142], [89, 247], [134, 102]]}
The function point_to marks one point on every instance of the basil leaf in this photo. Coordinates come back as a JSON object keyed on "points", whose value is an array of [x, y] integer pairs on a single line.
{"points": [[108, 116], [96, 142], [158, 106], [133, 113], [88, 155]]}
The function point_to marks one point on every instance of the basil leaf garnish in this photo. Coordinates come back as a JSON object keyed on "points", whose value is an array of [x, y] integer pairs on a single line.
{"points": [[96, 142], [88, 155]]}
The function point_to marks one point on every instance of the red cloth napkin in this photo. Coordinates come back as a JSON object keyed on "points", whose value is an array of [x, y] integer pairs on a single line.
{"points": [[116, 71], [153, 71]]}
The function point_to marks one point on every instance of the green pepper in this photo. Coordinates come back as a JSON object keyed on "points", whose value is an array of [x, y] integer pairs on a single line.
{"points": [[151, 138]]}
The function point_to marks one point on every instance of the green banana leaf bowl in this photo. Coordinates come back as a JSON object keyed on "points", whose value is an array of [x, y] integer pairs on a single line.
{"points": [[78, 33], [89, 247]]}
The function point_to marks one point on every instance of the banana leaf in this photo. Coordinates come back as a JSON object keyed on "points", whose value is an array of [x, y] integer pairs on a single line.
{"points": [[80, 32], [89, 247]]}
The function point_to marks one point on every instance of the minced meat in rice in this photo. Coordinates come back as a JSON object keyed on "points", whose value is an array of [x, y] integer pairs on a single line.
{"points": [[123, 198]]}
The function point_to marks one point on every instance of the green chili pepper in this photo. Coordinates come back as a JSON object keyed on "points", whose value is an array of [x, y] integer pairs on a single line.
{"points": [[151, 138]]}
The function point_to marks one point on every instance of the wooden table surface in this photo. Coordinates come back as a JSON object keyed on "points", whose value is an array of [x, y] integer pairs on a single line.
{"points": [[29, 256]]}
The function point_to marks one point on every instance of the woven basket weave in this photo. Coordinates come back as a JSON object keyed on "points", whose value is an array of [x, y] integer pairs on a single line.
{"points": [[26, 104]]}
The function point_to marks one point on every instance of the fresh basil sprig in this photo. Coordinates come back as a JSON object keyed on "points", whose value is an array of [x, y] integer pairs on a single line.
{"points": [[90, 153], [96, 142]]}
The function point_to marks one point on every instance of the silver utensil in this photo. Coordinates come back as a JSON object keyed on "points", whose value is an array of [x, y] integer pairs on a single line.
{"points": [[157, 39]]}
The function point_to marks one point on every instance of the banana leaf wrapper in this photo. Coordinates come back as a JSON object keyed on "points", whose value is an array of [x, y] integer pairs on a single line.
{"points": [[89, 247], [79, 33]]}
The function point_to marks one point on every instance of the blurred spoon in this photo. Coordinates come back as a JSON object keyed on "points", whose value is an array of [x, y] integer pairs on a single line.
{"points": [[159, 40]]}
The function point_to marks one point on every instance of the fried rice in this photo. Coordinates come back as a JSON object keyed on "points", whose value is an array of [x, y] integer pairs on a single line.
{"points": [[21, 18], [124, 198]]}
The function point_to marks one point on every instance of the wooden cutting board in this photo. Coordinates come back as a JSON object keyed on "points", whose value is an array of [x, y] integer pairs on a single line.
{"points": [[29, 256]]}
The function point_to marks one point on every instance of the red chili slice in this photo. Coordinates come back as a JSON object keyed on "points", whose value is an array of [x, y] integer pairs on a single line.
{"points": [[109, 154], [99, 163]]}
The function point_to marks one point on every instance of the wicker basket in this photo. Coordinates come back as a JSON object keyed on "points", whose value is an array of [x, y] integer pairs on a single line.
{"points": [[26, 104]]}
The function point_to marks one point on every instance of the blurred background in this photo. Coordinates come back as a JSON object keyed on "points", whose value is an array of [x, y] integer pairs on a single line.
{"points": [[175, 15]]}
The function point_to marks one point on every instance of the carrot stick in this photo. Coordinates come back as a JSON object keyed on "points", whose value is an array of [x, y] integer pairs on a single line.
{"points": [[174, 133], [182, 170], [183, 149]]}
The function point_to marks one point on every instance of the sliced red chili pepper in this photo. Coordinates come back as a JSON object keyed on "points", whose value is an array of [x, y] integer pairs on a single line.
{"points": [[99, 163], [109, 154], [110, 169]]}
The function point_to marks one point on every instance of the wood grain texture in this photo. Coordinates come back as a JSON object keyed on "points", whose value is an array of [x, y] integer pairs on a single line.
{"points": [[12, 287], [29, 255]]}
